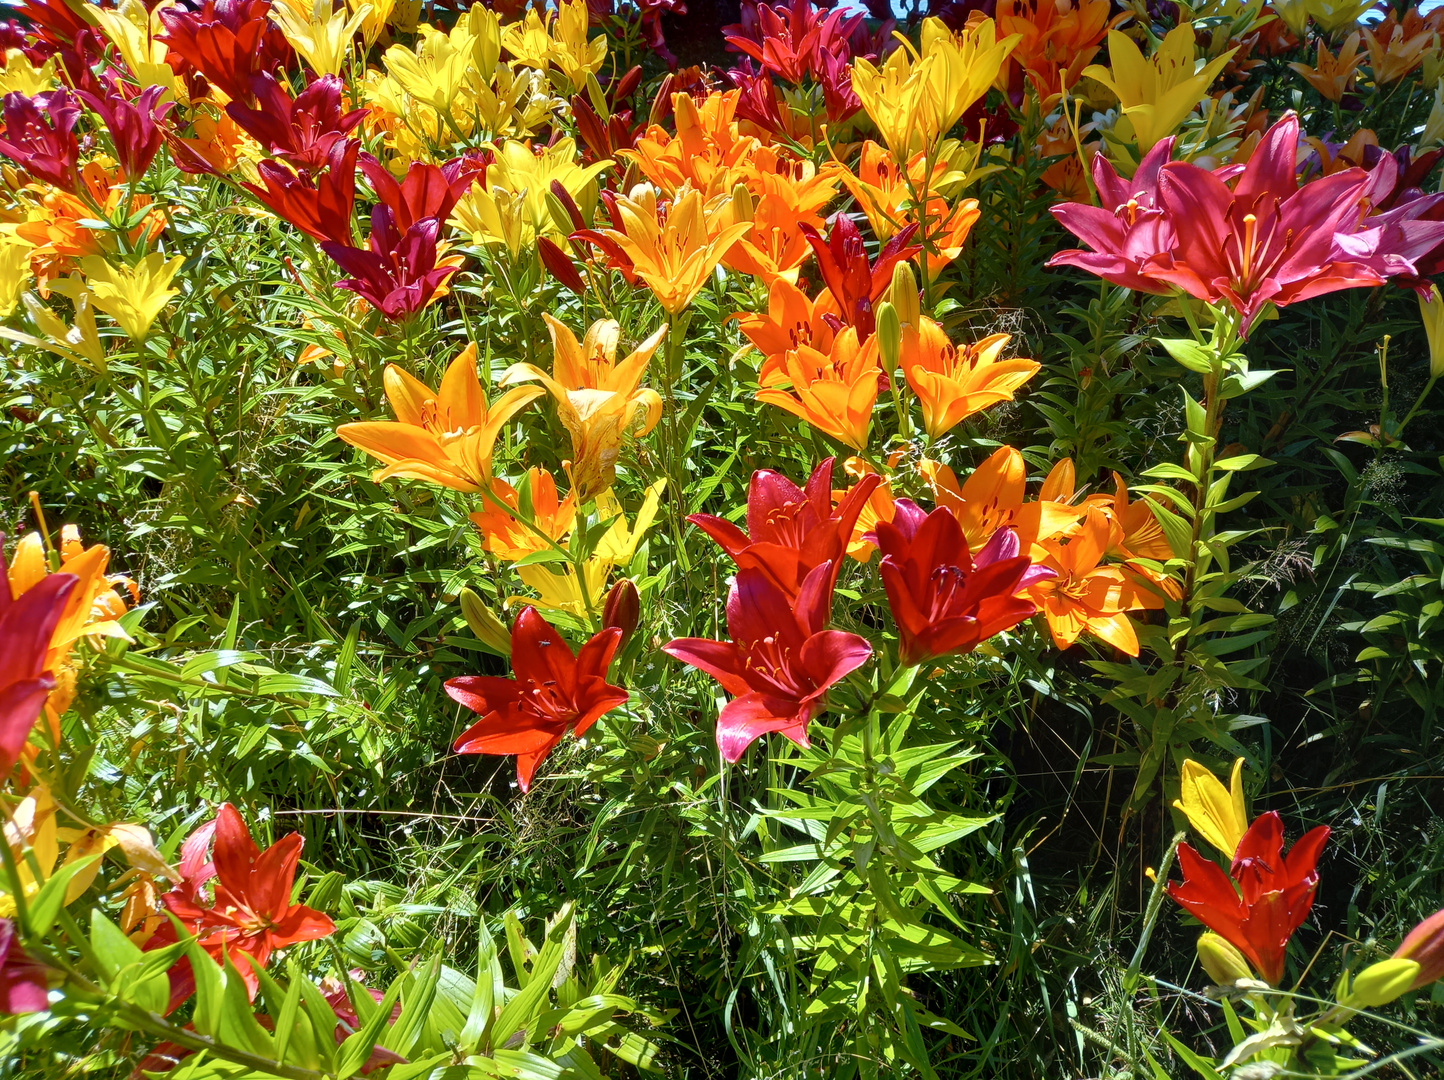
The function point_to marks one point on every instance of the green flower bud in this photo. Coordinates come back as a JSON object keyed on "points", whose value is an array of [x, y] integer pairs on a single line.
{"points": [[1224, 963], [489, 630]]}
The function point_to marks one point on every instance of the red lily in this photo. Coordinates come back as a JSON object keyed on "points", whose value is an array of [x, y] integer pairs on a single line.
{"points": [[791, 39], [251, 912], [227, 41], [553, 691], [426, 191], [780, 661], [791, 530], [38, 137], [395, 273], [854, 283], [22, 981], [942, 599], [1262, 900], [302, 131], [26, 626], [135, 127], [320, 206], [54, 22]]}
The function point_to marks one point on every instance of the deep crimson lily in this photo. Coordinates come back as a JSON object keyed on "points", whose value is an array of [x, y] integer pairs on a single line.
{"points": [[250, 911], [54, 22], [1262, 900], [759, 102], [944, 600], [780, 660], [396, 272], [26, 626], [854, 282], [552, 691], [302, 131], [791, 530], [22, 981], [39, 137], [426, 191], [227, 41], [135, 127], [320, 206], [791, 39]]}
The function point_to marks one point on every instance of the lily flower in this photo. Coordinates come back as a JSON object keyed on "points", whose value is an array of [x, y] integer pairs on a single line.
{"points": [[791, 39], [132, 295], [994, 497], [39, 137], [1085, 595], [1262, 900], [250, 914], [507, 537], [396, 273], [320, 206], [301, 131], [598, 399], [943, 600], [516, 184], [791, 530], [855, 283], [1155, 95], [442, 436], [780, 661], [27, 624], [318, 32], [227, 42], [552, 691], [135, 127], [1396, 49], [1215, 812], [707, 148], [953, 382], [673, 247], [1056, 42], [1424, 946], [792, 321], [23, 987], [833, 391], [1333, 76], [880, 507]]}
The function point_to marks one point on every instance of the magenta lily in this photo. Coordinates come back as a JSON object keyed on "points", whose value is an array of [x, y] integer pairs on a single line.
{"points": [[397, 272], [38, 137], [780, 661], [135, 127]]}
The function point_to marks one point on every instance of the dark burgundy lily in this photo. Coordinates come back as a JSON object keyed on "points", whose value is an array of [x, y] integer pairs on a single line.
{"points": [[396, 272], [791, 530], [302, 131], [22, 981], [553, 691], [39, 137], [320, 206], [944, 600], [135, 127], [426, 191], [855, 283], [227, 41], [1263, 899], [779, 662], [26, 626]]}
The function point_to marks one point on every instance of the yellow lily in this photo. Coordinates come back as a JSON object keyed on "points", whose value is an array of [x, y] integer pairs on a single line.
{"points": [[598, 399], [571, 53], [14, 270], [1431, 310], [79, 343], [434, 73], [22, 77], [1335, 15], [31, 825], [442, 436], [1157, 94], [512, 208], [375, 20], [675, 247], [132, 295], [136, 33], [528, 41], [318, 33], [1216, 813]]}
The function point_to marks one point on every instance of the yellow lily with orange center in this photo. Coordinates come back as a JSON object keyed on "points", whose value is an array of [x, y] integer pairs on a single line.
{"points": [[833, 391], [513, 536], [954, 382], [674, 247], [598, 399], [1215, 812], [442, 436]]}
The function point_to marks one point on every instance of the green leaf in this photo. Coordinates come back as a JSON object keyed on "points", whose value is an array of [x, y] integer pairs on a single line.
{"points": [[1190, 354], [46, 905]]}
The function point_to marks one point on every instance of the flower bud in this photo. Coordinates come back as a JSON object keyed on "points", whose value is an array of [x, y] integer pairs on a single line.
{"points": [[564, 209], [742, 206], [1425, 946], [889, 336], [622, 610], [489, 630], [560, 265], [1431, 310], [1224, 963], [903, 294], [1378, 984]]}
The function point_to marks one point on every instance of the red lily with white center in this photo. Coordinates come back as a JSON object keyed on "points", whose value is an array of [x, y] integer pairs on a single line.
{"points": [[1262, 900], [791, 530], [250, 911], [553, 691], [780, 661]]}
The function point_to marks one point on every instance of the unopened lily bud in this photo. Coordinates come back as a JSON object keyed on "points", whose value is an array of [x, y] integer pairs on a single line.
{"points": [[622, 610], [889, 335], [1431, 310], [1378, 984], [489, 630], [742, 206], [560, 265], [1224, 963], [1425, 946], [564, 209], [903, 294]]}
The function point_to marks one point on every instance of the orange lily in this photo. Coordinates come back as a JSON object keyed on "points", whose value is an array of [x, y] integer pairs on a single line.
{"points": [[442, 436], [674, 247], [1086, 595], [1331, 75], [598, 400], [880, 506], [833, 391], [953, 382], [1057, 41], [703, 153], [772, 247], [505, 535], [993, 498], [92, 610], [1396, 49], [792, 320]]}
